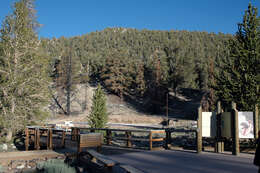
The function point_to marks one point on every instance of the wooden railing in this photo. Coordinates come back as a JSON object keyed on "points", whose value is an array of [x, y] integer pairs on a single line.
{"points": [[35, 132], [169, 131], [128, 137]]}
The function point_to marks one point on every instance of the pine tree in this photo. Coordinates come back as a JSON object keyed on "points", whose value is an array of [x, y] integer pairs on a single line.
{"points": [[23, 69], [98, 116], [239, 78]]}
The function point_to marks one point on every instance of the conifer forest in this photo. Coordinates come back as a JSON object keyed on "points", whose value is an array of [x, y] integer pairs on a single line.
{"points": [[140, 66]]}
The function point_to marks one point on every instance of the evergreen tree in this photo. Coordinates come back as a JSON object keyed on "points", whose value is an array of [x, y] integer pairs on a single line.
{"points": [[98, 116], [23, 69], [239, 78]]}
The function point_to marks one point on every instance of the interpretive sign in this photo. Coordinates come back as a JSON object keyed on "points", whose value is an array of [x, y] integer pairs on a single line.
{"points": [[226, 124], [245, 125], [208, 124]]}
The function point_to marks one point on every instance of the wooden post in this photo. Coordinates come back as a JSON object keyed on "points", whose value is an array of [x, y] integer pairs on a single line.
{"points": [[151, 140], [234, 127], [72, 133], [199, 130], [26, 139], [79, 147], [256, 122], [63, 139], [128, 136], [77, 133], [50, 139], [219, 146], [109, 137], [168, 138], [37, 139]]}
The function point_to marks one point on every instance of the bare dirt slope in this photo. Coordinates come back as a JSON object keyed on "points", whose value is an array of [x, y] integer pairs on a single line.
{"points": [[181, 106]]}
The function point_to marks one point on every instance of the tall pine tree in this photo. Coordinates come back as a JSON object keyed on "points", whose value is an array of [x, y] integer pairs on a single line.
{"points": [[239, 79], [23, 69]]}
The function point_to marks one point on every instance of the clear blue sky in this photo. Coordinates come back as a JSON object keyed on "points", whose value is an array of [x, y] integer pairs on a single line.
{"points": [[77, 17]]}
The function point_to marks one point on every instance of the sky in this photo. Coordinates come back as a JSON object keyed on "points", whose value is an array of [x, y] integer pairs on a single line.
{"points": [[77, 17]]}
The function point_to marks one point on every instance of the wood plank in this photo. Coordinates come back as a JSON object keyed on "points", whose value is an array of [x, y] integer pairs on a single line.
{"points": [[130, 169], [131, 139], [104, 159], [121, 130], [90, 140], [157, 139], [157, 131]]}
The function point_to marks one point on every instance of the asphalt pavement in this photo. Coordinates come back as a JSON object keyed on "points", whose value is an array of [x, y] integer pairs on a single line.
{"points": [[169, 161]]}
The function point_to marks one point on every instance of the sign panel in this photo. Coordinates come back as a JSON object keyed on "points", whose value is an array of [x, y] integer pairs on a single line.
{"points": [[226, 124], [245, 125], [208, 124]]}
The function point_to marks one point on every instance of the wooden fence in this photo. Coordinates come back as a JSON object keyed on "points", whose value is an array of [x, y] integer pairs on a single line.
{"points": [[34, 133], [128, 137]]}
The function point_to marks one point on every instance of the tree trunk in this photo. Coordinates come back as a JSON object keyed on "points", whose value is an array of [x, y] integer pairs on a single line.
{"points": [[68, 87], [9, 135]]}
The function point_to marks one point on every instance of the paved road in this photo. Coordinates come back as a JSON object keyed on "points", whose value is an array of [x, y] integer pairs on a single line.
{"points": [[187, 162]]}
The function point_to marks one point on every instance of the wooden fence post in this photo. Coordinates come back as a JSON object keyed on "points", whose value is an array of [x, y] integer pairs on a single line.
{"points": [[109, 137], [234, 127], [50, 139], [256, 122], [47, 139], [72, 133], [128, 140], [151, 140], [63, 139], [37, 139], [26, 139], [219, 146], [199, 130], [168, 138]]}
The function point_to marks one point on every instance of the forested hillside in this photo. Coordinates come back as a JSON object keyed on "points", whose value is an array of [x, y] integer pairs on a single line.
{"points": [[141, 67], [140, 64]]}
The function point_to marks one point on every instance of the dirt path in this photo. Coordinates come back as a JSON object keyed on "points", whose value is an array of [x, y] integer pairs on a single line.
{"points": [[7, 157]]}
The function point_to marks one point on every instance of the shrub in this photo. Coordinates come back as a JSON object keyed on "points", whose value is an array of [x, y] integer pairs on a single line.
{"points": [[54, 166]]}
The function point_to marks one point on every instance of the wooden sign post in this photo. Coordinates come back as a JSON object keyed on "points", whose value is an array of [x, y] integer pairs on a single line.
{"points": [[235, 133], [219, 145], [256, 122], [199, 130]]}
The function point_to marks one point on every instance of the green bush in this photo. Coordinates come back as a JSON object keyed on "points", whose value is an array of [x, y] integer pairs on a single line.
{"points": [[54, 166]]}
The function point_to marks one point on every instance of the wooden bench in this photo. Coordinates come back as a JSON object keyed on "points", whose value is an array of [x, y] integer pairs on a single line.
{"points": [[90, 140], [97, 157], [96, 162], [105, 162]]}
